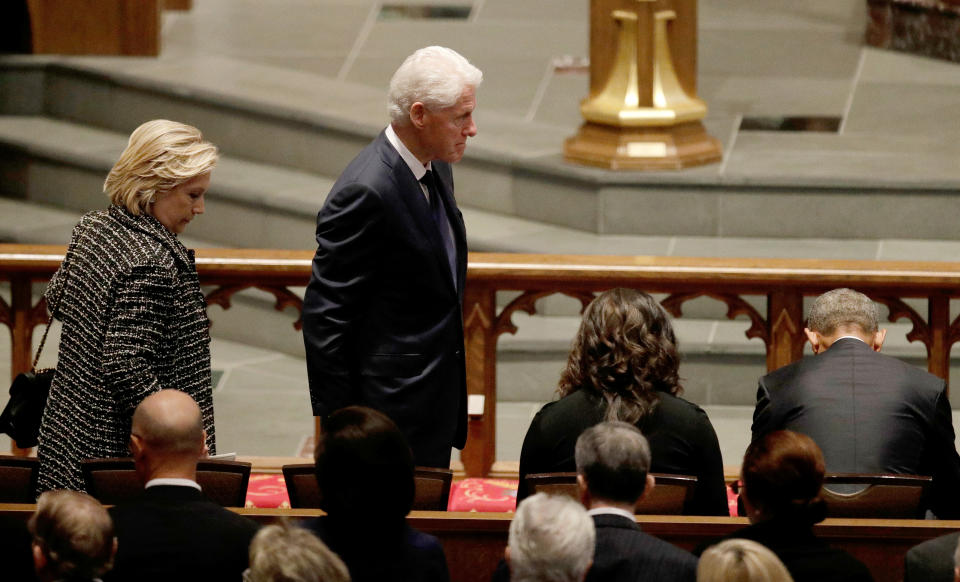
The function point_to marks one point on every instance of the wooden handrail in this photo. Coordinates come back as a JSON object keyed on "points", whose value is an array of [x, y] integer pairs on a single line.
{"points": [[784, 283], [474, 542]]}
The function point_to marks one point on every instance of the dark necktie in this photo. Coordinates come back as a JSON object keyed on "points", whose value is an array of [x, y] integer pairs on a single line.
{"points": [[439, 216]]}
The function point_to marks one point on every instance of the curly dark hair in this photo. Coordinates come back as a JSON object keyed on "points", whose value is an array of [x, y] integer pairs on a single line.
{"points": [[625, 351]]}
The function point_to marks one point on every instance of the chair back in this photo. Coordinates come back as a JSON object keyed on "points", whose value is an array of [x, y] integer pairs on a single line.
{"points": [[431, 487], [302, 487], [670, 496], [874, 496], [113, 481], [18, 479]]}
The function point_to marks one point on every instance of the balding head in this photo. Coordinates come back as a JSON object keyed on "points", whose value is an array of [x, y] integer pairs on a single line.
{"points": [[167, 432]]}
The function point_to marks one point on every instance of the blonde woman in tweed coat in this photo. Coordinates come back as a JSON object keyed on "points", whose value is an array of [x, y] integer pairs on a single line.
{"points": [[134, 318]]}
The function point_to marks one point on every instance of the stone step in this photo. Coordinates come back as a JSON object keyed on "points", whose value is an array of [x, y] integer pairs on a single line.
{"points": [[514, 167]]}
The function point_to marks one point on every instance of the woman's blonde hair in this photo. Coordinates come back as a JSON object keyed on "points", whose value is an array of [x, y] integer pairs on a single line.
{"points": [[160, 156], [740, 560], [285, 553]]}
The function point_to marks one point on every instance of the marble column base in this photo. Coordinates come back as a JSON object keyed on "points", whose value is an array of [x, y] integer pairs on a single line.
{"points": [[925, 27]]}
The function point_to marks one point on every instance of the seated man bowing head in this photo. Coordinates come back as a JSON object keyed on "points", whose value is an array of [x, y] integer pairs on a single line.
{"points": [[172, 531]]}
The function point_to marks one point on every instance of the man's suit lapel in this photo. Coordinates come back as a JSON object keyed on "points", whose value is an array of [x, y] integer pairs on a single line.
{"points": [[412, 196]]}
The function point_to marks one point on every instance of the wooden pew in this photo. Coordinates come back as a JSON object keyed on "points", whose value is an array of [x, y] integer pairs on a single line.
{"points": [[474, 542]]}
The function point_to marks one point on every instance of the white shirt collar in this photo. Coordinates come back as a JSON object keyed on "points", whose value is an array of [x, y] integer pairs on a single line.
{"points": [[849, 337], [406, 155], [611, 511], [173, 481]]}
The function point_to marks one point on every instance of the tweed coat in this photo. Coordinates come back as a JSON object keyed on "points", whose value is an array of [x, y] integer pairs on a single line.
{"points": [[134, 322]]}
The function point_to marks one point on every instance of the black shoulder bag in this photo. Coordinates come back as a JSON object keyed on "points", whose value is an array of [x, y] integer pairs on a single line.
{"points": [[28, 396]]}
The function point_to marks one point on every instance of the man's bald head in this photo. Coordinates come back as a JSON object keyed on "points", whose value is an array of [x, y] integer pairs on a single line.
{"points": [[169, 422]]}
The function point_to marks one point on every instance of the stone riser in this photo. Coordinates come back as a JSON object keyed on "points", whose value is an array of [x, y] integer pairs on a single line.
{"points": [[545, 190]]}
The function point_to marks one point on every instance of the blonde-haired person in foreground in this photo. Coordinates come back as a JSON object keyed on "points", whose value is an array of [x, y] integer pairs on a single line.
{"points": [[551, 540], [134, 319], [72, 537], [741, 561], [283, 553]]}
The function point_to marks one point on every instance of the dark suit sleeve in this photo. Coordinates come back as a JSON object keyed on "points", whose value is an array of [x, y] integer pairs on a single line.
{"points": [[942, 462], [931, 561], [341, 282], [762, 413], [710, 495], [532, 454]]}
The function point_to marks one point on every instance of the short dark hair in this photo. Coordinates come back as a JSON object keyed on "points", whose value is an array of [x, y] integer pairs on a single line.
{"points": [[783, 474], [843, 308], [614, 459], [364, 466]]}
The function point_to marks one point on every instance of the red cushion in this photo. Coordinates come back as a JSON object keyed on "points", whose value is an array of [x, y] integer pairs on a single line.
{"points": [[475, 494]]}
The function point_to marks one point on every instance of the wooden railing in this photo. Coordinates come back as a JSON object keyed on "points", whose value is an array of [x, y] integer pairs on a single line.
{"points": [[784, 283], [474, 542]]}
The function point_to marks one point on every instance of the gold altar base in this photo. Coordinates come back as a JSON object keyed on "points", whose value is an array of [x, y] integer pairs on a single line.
{"points": [[643, 148]]}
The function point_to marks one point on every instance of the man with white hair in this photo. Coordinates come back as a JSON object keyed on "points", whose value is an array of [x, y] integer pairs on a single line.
{"points": [[868, 412], [382, 315], [551, 540]]}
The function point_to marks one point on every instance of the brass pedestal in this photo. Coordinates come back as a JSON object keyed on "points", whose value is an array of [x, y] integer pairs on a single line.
{"points": [[643, 148]]}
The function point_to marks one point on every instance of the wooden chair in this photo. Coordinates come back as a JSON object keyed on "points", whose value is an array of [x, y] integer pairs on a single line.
{"points": [[878, 496], [669, 497], [112, 481], [431, 487], [18, 479]]}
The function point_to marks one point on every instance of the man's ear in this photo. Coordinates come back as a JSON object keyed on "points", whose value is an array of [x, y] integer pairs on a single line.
{"points": [[583, 491], [136, 445], [39, 560], [417, 112], [204, 449], [506, 555], [651, 483], [878, 339], [815, 339]]}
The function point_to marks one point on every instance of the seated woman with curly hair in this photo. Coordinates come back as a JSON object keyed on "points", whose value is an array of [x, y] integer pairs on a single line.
{"points": [[624, 366]]}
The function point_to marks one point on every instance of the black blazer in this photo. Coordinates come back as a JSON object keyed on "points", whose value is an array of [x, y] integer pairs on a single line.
{"points": [[807, 558], [869, 413], [682, 441], [624, 553], [380, 552], [176, 533], [382, 315], [931, 561]]}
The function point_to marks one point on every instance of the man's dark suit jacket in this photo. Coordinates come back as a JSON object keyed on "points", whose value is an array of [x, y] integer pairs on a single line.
{"points": [[869, 413], [175, 533], [382, 315], [931, 561], [623, 552]]}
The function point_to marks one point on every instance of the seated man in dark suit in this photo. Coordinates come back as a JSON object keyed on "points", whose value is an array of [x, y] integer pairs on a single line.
{"points": [[613, 464], [868, 412], [613, 460], [936, 560], [172, 531], [72, 539]]}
